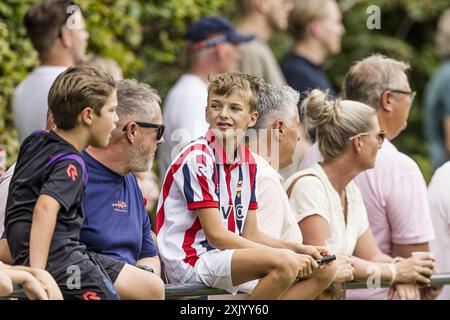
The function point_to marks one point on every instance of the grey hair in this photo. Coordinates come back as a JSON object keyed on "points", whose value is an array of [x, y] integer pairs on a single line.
{"points": [[369, 78], [136, 100], [335, 121], [275, 102], [443, 34]]}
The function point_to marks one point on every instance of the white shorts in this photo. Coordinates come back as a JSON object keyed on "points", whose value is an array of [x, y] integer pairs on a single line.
{"points": [[214, 270]]}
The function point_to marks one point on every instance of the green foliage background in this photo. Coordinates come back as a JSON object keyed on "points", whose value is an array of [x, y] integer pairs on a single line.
{"points": [[146, 38]]}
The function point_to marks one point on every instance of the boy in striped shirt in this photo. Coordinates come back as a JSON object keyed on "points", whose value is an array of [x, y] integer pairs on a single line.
{"points": [[206, 223]]}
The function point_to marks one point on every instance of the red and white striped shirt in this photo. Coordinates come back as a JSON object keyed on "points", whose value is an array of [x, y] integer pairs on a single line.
{"points": [[201, 177]]}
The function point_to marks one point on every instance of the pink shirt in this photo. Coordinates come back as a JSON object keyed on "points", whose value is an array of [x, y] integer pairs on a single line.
{"points": [[395, 195]]}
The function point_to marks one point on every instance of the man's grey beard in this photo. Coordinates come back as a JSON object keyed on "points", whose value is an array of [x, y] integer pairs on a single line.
{"points": [[139, 161]]}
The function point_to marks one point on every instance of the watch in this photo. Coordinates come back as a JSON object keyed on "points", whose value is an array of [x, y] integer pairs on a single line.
{"points": [[146, 268]]}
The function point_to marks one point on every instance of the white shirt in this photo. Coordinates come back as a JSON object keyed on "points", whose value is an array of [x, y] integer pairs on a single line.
{"points": [[184, 117], [314, 194], [30, 102], [440, 214], [201, 177], [274, 212]]}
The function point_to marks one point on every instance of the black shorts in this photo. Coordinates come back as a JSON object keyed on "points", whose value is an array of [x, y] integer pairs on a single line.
{"points": [[92, 278]]}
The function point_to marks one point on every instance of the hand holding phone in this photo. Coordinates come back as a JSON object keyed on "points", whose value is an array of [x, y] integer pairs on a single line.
{"points": [[325, 260]]}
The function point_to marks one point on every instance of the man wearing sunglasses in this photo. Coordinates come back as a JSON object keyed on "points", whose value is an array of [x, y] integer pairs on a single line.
{"points": [[116, 222], [57, 31]]}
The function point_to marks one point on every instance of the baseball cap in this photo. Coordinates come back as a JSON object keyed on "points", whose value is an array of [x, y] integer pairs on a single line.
{"points": [[210, 31]]}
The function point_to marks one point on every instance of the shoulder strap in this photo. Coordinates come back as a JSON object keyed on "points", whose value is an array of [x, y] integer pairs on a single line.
{"points": [[292, 185], [71, 156]]}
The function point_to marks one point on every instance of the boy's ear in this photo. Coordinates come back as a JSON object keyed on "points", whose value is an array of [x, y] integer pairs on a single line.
{"points": [[87, 115], [253, 118], [206, 115]]}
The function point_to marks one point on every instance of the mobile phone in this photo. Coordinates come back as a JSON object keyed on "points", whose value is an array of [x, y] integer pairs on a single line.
{"points": [[325, 260]]}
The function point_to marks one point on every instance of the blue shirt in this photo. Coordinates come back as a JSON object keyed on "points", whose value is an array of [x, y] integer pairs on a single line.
{"points": [[116, 223], [303, 75]]}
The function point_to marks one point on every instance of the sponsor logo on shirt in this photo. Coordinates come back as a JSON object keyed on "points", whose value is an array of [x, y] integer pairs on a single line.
{"points": [[72, 172], [120, 206], [239, 212], [89, 295]]}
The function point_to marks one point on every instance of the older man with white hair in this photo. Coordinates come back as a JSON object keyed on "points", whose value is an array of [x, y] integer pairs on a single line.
{"points": [[277, 131]]}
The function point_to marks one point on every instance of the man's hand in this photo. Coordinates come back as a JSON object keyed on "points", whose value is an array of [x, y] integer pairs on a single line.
{"points": [[306, 265], [313, 251], [48, 283], [430, 292], [344, 268], [32, 287], [405, 291], [415, 269]]}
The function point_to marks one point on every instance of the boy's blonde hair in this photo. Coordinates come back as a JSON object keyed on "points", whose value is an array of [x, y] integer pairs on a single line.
{"points": [[246, 85]]}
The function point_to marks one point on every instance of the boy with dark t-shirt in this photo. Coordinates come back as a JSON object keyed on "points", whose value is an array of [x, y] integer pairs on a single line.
{"points": [[44, 212]]}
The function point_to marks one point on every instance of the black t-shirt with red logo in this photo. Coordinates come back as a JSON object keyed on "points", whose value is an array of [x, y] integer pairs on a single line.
{"points": [[47, 164]]}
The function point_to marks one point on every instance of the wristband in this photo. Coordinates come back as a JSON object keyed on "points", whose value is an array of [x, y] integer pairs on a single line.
{"points": [[398, 259], [393, 271]]}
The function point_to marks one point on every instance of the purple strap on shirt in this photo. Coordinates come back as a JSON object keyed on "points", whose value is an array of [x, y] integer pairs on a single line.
{"points": [[72, 156]]}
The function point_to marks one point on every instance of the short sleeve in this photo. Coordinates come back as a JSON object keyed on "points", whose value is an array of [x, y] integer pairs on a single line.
{"points": [[197, 181], [64, 182], [148, 247], [408, 209], [308, 197]]}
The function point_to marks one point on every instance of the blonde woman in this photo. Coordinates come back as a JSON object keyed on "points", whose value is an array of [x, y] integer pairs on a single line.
{"points": [[328, 205]]}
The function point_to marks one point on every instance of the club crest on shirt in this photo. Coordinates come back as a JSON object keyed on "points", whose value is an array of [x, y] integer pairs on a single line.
{"points": [[239, 189], [120, 206]]}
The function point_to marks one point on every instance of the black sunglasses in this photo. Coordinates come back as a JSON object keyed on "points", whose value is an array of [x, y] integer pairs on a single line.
{"points": [[160, 127], [411, 94]]}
